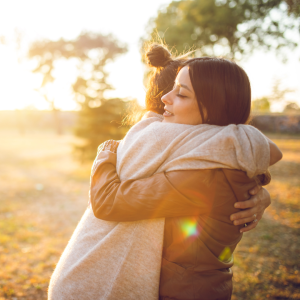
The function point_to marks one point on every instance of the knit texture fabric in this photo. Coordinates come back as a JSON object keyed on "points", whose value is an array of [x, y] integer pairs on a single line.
{"points": [[111, 260]]}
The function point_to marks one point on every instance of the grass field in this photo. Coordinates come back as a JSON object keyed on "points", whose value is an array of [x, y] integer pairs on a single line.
{"points": [[43, 193]]}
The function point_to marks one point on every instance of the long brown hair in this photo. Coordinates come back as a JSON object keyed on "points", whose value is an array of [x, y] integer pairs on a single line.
{"points": [[222, 89]]}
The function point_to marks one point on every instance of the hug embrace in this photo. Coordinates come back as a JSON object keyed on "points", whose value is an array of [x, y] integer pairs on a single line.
{"points": [[163, 200]]}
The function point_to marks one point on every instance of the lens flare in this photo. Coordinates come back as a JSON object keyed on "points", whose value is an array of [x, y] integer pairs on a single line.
{"points": [[225, 255], [189, 228]]}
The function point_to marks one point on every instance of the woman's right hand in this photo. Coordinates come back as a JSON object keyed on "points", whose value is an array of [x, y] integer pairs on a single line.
{"points": [[252, 209]]}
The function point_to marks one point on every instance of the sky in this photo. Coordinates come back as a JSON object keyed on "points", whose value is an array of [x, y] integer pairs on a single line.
{"points": [[127, 21]]}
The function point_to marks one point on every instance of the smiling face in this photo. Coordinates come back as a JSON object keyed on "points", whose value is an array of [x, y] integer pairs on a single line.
{"points": [[181, 104]]}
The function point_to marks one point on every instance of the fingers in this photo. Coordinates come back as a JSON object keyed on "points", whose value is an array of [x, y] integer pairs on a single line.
{"points": [[256, 205], [248, 213], [255, 190], [249, 227], [245, 220], [246, 204]]}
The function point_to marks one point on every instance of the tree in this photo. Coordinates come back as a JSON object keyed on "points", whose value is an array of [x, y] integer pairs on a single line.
{"points": [[98, 124], [292, 107], [232, 28], [293, 7], [277, 95], [91, 51], [261, 105], [278, 92]]}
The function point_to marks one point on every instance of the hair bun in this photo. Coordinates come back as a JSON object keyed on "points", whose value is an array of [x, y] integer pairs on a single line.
{"points": [[158, 56]]}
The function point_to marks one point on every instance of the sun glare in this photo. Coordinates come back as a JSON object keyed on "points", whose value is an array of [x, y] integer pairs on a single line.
{"points": [[17, 88], [18, 84]]}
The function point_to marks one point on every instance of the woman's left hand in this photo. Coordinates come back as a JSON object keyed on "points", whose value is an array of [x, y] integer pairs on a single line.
{"points": [[109, 145], [253, 209]]}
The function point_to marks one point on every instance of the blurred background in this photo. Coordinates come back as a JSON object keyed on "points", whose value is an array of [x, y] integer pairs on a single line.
{"points": [[70, 71]]}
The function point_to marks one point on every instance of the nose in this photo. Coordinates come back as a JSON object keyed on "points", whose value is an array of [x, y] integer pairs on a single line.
{"points": [[166, 99]]}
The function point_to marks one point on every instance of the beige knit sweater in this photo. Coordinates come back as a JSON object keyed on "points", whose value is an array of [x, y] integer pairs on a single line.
{"points": [[111, 260]]}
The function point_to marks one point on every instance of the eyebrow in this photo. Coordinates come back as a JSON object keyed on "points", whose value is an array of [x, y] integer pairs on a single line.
{"points": [[183, 86]]}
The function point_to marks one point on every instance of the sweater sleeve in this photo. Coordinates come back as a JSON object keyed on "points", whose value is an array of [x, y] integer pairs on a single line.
{"points": [[164, 195], [252, 150]]}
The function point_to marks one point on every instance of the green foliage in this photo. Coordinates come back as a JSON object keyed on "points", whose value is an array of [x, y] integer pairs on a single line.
{"points": [[231, 28], [99, 119], [261, 105], [293, 7], [98, 124]]}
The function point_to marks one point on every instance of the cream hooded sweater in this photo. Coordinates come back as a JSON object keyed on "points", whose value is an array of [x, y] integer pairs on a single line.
{"points": [[112, 260]]}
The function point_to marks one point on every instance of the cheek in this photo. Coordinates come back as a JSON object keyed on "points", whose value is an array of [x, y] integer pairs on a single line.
{"points": [[187, 111], [192, 113], [191, 108]]}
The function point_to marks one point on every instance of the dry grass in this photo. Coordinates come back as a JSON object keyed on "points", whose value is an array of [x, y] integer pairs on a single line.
{"points": [[43, 193], [267, 261]]}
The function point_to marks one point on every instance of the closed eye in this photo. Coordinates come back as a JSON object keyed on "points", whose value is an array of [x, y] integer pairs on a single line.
{"points": [[181, 96]]}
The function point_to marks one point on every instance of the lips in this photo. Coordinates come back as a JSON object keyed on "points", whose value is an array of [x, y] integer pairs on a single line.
{"points": [[168, 114]]}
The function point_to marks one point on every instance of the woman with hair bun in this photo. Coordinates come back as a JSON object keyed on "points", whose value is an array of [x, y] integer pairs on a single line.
{"points": [[162, 80], [179, 166]]}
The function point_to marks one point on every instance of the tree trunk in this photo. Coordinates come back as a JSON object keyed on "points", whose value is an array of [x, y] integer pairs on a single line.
{"points": [[57, 121]]}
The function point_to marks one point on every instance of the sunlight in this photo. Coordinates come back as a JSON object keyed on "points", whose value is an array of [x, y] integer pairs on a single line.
{"points": [[126, 75], [17, 88], [18, 84]]}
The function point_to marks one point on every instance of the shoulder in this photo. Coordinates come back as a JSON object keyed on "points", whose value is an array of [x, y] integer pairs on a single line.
{"points": [[151, 114], [148, 119]]}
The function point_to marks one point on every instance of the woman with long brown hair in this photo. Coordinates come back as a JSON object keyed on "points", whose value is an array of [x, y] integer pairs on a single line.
{"points": [[207, 91], [161, 81]]}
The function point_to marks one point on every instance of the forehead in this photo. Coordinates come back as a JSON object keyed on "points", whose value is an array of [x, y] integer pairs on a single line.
{"points": [[183, 77]]}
